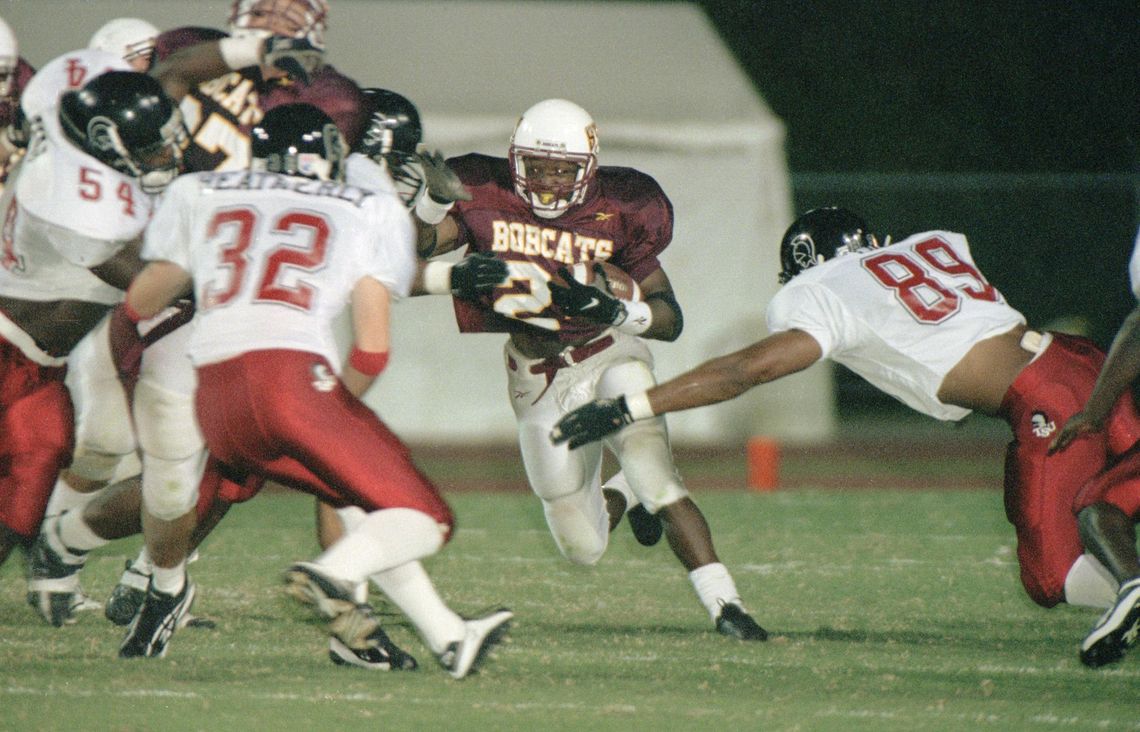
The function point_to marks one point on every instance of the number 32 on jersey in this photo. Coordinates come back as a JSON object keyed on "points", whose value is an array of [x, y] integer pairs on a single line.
{"points": [[301, 244]]}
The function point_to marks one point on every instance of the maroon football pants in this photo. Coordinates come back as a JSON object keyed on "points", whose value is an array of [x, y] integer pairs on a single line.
{"points": [[281, 415], [1041, 490], [37, 436]]}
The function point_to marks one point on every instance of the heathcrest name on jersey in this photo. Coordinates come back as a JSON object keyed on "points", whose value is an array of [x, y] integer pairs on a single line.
{"points": [[562, 246], [239, 180]]}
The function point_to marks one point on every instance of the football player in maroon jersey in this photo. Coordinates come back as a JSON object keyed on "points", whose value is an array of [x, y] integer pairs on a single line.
{"points": [[221, 111], [545, 207]]}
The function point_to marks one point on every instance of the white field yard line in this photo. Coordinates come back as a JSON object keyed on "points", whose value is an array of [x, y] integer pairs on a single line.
{"points": [[995, 721], [987, 719]]}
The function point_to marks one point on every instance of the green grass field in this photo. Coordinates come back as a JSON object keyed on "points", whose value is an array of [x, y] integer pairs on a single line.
{"points": [[889, 609]]}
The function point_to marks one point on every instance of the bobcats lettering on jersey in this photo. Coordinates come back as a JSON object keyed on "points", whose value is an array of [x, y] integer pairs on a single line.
{"points": [[220, 112], [565, 247], [237, 95], [626, 220]]}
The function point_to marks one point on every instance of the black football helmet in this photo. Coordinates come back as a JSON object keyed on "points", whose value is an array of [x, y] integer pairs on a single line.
{"points": [[125, 120], [819, 235], [298, 139], [391, 138]]}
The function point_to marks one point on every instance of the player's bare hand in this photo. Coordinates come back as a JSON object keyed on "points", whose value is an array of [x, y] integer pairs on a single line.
{"points": [[442, 183], [1077, 426], [591, 422], [297, 57], [476, 275]]}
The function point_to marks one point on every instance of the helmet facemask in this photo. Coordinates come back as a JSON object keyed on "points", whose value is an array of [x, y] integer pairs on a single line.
{"points": [[547, 197], [391, 139], [554, 130], [290, 159], [155, 164], [820, 235]]}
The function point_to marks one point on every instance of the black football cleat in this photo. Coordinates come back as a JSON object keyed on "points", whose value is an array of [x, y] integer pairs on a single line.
{"points": [[53, 582], [734, 622], [1116, 631], [312, 585], [647, 527], [380, 655], [157, 619], [128, 595]]}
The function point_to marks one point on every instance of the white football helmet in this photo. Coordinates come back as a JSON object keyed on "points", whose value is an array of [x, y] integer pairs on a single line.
{"points": [[130, 38], [293, 18], [554, 129], [9, 60]]}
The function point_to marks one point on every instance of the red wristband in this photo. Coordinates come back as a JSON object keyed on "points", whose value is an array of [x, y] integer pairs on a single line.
{"points": [[130, 312], [368, 363]]}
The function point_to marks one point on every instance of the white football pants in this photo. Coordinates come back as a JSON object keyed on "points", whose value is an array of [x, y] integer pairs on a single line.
{"points": [[568, 481]]}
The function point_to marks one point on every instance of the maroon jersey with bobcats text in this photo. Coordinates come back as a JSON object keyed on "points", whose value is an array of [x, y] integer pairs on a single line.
{"points": [[221, 112], [626, 219]]}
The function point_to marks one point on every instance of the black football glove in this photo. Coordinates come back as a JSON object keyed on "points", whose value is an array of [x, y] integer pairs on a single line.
{"points": [[591, 422], [476, 275], [442, 183], [586, 301], [297, 57]]}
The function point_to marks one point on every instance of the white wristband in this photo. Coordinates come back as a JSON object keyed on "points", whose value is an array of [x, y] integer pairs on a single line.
{"points": [[638, 405], [431, 211], [638, 317], [240, 52], [437, 278]]}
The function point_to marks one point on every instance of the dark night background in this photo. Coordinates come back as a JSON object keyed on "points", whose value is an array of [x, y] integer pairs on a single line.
{"points": [[1013, 122]]}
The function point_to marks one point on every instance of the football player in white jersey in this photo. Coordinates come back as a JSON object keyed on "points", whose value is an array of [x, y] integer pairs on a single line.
{"points": [[918, 320], [1112, 504], [274, 254], [131, 39], [73, 217], [106, 441]]}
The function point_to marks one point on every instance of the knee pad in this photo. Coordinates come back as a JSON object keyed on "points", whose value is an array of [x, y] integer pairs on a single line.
{"points": [[167, 427], [170, 487], [646, 459], [580, 534]]}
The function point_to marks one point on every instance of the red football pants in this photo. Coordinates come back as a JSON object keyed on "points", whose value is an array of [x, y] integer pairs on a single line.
{"points": [[1041, 490], [37, 436], [281, 415]]}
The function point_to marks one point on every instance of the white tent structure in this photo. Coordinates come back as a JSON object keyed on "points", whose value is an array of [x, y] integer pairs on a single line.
{"points": [[669, 99]]}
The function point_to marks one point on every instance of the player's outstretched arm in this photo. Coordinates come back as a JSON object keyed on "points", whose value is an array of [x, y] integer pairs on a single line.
{"points": [[716, 380], [188, 67]]}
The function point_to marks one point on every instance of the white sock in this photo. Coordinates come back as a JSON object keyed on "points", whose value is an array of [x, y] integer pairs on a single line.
{"points": [[1090, 584], [142, 563], [384, 539], [169, 580], [714, 587], [64, 498], [410, 589], [76, 535], [351, 516]]}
